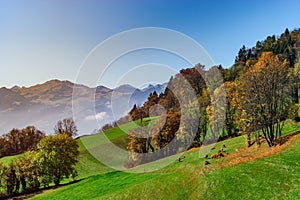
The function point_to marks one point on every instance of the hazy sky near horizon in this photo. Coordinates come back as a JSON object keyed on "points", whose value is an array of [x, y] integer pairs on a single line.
{"points": [[49, 39]]}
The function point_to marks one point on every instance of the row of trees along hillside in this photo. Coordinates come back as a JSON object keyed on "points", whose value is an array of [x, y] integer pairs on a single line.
{"points": [[18, 141], [48, 160], [261, 92]]}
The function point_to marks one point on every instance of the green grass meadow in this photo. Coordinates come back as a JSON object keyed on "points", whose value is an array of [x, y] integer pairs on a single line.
{"points": [[273, 177]]}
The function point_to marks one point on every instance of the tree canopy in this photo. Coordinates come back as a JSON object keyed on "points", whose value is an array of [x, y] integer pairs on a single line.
{"points": [[255, 95], [66, 126], [57, 156], [265, 95]]}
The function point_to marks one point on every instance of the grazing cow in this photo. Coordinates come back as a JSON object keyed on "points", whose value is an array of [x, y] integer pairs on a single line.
{"points": [[219, 154], [206, 163]]}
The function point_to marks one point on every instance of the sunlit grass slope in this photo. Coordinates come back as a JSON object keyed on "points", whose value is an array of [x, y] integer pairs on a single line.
{"points": [[274, 177]]}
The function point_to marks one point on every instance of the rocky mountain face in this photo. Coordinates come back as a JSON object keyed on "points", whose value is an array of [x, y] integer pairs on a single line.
{"points": [[44, 104]]}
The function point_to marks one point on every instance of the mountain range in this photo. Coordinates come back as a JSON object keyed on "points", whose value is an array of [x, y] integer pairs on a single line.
{"points": [[44, 104]]}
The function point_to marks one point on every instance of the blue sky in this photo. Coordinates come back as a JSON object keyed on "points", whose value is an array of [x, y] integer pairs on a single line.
{"points": [[46, 39]]}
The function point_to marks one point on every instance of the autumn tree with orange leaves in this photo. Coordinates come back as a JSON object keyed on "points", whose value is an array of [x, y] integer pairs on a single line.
{"points": [[265, 97]]}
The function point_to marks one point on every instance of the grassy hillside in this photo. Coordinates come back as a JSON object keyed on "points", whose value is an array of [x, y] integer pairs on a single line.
{"points": [[275, 177], [88, 165]]}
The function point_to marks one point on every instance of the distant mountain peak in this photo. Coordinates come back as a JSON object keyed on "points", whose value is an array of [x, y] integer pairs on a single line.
{"points": [[125, 88], [158, 87], [44, 104], [102, 87], [56, 81], [16, 87], [4, 88]]}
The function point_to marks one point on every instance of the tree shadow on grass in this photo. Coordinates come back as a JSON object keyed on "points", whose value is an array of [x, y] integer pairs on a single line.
{"points": [[283, 139], [27, 195]]}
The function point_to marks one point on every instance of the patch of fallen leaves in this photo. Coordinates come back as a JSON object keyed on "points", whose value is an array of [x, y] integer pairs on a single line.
{"points": [[252, 153]]}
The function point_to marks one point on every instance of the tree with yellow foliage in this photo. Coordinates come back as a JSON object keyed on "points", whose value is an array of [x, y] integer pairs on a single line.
{"points": [[265, 96]]}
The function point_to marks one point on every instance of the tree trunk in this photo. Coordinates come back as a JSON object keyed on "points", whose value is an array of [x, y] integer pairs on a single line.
{"points": [[249, 139], [258, 139], [295, 95], [56, 181]]}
